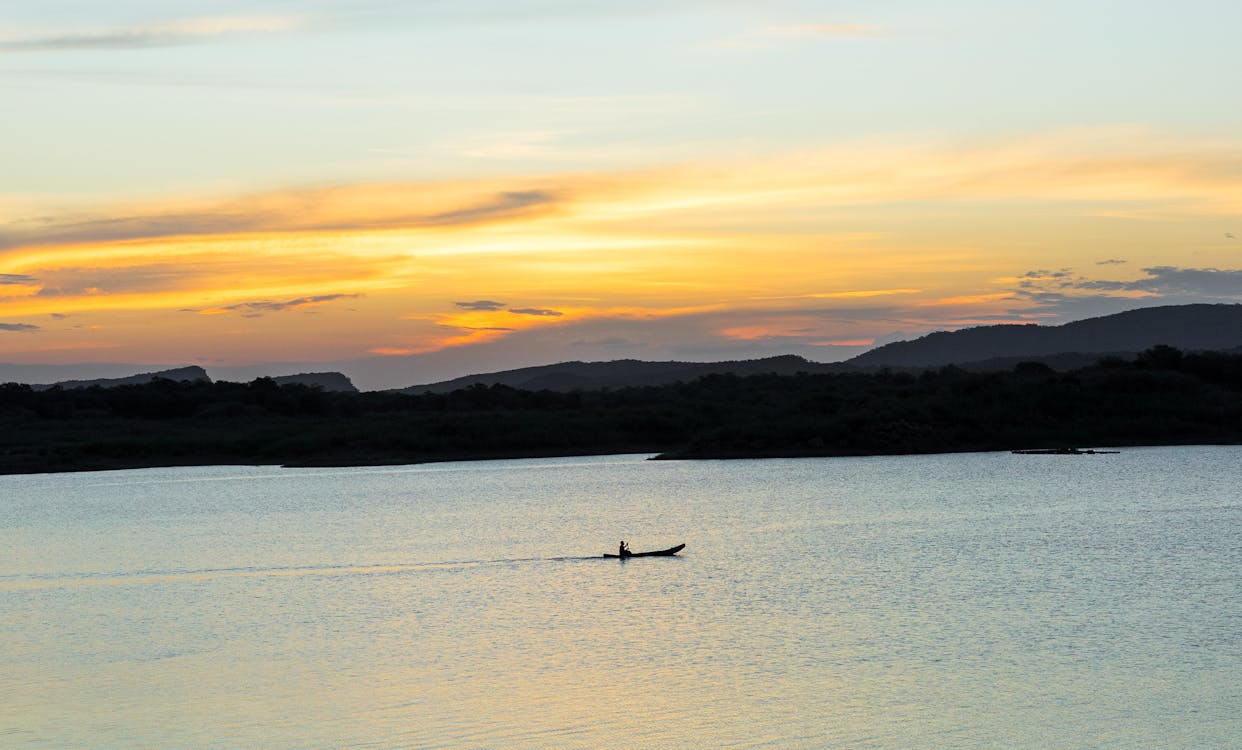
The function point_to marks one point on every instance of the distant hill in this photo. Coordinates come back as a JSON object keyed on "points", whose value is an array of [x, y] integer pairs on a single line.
{"points": [[328, 381], [983, 348], [1186, 327], [587, 376], [178, 374]]}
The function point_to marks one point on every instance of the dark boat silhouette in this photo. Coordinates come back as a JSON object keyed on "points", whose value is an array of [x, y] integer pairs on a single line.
{"points": [[658, 553]]}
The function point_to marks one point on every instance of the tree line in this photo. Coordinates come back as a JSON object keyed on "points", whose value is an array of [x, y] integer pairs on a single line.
{"points": [[1163, 396]]}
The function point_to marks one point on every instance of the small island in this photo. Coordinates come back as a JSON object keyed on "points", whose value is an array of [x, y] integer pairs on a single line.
{"points": [[1061, 452]]}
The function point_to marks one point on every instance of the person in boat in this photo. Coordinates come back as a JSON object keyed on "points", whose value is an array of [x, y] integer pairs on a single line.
{"points": [[623, 550]]}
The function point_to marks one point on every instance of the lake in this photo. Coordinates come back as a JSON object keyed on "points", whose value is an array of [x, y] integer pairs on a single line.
{"points": [[978, 600]]}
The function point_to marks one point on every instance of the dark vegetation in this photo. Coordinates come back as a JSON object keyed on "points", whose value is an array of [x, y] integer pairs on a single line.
{"points": [[1163, 396]]}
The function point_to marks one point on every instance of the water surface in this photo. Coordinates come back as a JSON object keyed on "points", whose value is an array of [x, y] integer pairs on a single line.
{"points": [[976, 600]]}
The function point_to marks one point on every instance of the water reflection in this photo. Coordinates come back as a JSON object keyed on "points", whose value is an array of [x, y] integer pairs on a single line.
{"points": [[138, 578], [917, 602]]}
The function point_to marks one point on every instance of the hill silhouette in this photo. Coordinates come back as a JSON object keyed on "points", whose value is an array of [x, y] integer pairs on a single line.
{"points": [[191, 373], [1186, 327], [993, 348], [1191, 328], [1162, 397], [328, 381], [565, 377]]}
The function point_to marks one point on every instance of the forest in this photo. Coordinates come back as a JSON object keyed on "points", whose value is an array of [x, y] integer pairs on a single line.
{"points": [[1161, 397]]}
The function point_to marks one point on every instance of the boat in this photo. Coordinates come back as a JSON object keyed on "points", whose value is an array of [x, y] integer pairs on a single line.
{"points": [[658, 553]]}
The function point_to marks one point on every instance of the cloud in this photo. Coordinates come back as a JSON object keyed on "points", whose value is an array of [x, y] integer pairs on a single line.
{"points": [[1173, 281], [1071, 296], [1091, 171], [347, 208], [169, 33], [1110, 262], [15, 279], [481, 305], [538, 311], [751, 234], [817, 333], [501, 206], [259, 308], [1056, 307], [1063, 273], [18, 327], [654, 333], [70, 282], [858, 293], [824, 334]]}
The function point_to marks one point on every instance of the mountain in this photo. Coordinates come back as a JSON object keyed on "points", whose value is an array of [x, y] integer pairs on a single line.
{"points": [[1186, 327], [328, 381], [586, 376], [191, 373]]}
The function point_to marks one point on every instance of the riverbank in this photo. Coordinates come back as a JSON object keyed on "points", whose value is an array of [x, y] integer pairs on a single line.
{"points": [[115, 463], [1114, 403]]}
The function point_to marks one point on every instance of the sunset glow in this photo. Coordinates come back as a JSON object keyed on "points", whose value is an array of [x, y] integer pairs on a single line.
{"points": [[234, 202]]}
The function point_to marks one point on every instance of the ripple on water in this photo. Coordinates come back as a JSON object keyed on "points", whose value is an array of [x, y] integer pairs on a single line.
{"points": [[917, 602]]}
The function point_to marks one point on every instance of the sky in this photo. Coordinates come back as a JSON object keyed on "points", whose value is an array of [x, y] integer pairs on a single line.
{"points": [[412, 191]]}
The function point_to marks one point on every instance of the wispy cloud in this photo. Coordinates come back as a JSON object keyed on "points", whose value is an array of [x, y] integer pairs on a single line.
{"points": [[481, 305], [162, 34], [347, 208], [18, 327], [1067, 295], [1094, 170], [1042, 275], [132, 277], [826, 333], [502, 205], [856, 293], [599, 257], [1162, 281], [537, 311], [1172, 281], [262, 307]]}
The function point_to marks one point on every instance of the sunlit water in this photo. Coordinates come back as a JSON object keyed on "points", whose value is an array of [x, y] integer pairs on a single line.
{"points": [[959, 601]]}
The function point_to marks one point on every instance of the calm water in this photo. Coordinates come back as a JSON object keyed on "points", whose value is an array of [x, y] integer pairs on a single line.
{"points": [[967, 601]]}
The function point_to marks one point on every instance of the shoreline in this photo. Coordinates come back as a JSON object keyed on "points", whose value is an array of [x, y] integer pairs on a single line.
{"points": [[653, 455], [1195, 400]]}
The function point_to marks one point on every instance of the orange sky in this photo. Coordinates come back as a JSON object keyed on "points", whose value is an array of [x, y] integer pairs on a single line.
{"points": [[647, 219], [817, 250]]}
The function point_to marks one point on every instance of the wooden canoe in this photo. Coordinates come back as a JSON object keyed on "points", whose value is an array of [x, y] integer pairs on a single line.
{"points": [[658, 553]]}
